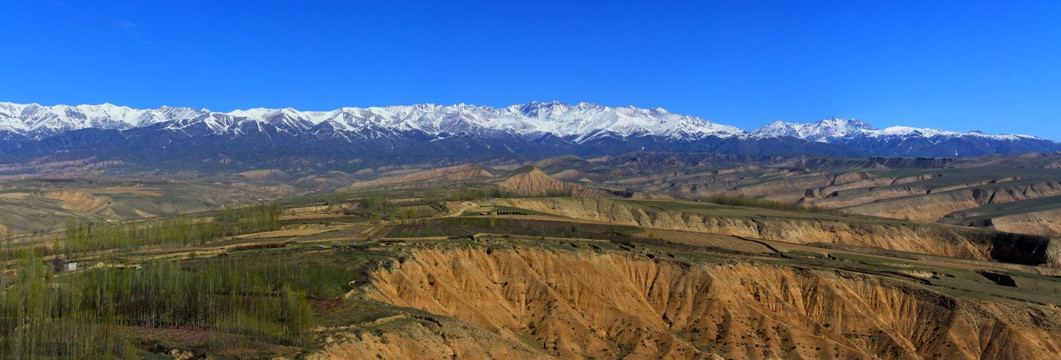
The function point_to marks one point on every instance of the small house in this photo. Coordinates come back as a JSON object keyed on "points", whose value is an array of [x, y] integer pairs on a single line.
{"points": [[61, 265]]}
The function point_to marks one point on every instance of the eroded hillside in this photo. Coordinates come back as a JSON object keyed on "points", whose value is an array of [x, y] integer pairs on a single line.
{"points": [[45, 205], [805, 228], [927, 190], [575, 304]]}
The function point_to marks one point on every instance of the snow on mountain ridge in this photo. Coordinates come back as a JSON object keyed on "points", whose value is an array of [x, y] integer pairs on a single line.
{"points": [[930, 133], [823, 131], [581, 122], [835, 129]]}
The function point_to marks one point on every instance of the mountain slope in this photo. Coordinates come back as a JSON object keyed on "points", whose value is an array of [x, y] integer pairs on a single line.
{"points": [[583, 121], [865, 139], [428, 132]]}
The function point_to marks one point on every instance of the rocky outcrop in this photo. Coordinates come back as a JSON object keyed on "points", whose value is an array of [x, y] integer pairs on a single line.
{"points": [[585, 304]]}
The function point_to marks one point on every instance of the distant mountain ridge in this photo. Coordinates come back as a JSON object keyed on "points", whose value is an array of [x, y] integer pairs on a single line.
{"points": [[836, 129], [533, 129], [583, 120]]}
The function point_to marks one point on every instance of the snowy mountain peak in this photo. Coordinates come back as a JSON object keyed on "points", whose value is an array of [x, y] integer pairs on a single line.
{"points": [[850, 124], [576, 124], [583, 121], [842, 130], [824, 130], [907, 131]]}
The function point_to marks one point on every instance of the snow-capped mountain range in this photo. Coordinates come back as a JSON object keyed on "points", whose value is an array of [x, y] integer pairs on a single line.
{"points": [[837, 129], [583, 121], [537, 128]]}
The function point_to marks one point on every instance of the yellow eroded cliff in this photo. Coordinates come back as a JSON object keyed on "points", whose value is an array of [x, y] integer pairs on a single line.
{"points": [[576, 304]]}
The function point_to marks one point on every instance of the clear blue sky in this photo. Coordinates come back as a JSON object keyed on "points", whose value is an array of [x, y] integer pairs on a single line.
{"points": [[964, 65]]}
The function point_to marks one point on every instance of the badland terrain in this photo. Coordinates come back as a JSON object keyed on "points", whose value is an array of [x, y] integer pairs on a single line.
{"points": [[555, 244]]}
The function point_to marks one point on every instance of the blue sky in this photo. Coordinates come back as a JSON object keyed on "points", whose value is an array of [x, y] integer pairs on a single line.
{"points": [[968, 65]]}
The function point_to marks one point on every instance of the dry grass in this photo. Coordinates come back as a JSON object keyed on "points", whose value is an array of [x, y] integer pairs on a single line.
{"points": [[712, 240], [144, 214], [284, 233], [311, 217], [127, 190], [14, 195]]}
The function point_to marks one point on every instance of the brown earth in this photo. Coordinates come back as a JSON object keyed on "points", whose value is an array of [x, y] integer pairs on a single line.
{"points": [[14, 195], [536, 183], [916, 189], [865, 190], [924, 239], [272, 190], [43, 206], [933, 207], [1045, 223], [459, 172], [567, 175], [440, 338], [263, 174], [861, 196], [137, 190], [79, 201], [584, 304], [793, 186], [144, 214]]}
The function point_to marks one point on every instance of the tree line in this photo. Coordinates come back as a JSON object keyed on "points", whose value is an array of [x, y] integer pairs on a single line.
{"points": [[83, 235], [92, 314]]}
